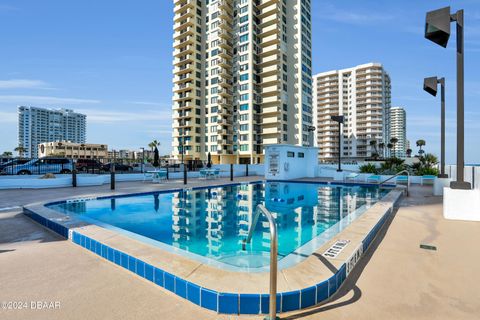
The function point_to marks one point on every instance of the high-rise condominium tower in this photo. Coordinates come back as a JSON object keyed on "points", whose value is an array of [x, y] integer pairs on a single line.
{"points": [[398, 130], [242, 77], [39, 125], [362, 95]]}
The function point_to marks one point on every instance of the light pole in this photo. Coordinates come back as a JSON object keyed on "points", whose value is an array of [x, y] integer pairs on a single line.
{"points": [[430, 86], [143, 158], [180, 141], [340, 120], [437, 29], [311, 135], [183, 164]]}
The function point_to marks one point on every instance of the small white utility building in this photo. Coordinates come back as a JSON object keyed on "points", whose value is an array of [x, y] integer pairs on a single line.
{"points": [[284, 162]]}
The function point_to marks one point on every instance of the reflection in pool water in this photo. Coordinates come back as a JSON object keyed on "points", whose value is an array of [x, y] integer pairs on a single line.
{"points": [[212, 222]]}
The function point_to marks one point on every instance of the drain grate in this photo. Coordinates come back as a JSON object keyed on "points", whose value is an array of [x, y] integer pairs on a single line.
{"points": [[336, 248], [428, 247]]}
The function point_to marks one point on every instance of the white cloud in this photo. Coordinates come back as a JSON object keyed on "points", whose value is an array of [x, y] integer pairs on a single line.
{"points": [[23, 84], [147, 103], [329, 12], [19, 100], [97, 116]]}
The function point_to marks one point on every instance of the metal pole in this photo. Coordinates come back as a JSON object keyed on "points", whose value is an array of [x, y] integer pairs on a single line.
{"points": [[442, 152], [184, 174], [272, 314], [246, 170], [112, 176], [339, 147], [231, 172], [74, 177], [460, 183], [143, 160]]}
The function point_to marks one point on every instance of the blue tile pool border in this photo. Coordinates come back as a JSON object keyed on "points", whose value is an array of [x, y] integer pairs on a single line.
{"points": [[221, 302]]}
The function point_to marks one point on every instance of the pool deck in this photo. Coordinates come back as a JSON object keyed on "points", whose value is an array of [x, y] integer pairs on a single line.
{"points": [[395, 280]]}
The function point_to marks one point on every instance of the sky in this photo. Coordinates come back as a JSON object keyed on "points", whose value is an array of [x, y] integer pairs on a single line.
{"points": [[112, 60]]}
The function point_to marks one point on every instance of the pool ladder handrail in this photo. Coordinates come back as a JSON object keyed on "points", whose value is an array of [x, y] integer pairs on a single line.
{"points": [[273, 255], [396, 175]]}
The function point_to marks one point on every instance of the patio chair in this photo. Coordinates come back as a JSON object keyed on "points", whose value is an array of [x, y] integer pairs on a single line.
{"points": [[351, 177], [375, 178], [428, 178], [162, 176], [403, 180], [216, 173], [203, 174], [147, 176]]}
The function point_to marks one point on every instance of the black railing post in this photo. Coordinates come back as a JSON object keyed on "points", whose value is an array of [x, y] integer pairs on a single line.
{"points": [[184, 174], [74, 177], [112, 176], [231, 172], [246, 170], [167, 173]]}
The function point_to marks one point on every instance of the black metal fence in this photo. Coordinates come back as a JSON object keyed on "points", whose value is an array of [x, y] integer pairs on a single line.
{"points": [[59, 165]]}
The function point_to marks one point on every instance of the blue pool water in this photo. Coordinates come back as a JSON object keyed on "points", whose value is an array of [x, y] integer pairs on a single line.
{"points": [[212, 222]]}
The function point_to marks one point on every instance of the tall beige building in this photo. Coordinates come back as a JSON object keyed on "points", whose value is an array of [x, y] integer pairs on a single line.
{"points": [[398, 129], [242, 77], [362, 95]]}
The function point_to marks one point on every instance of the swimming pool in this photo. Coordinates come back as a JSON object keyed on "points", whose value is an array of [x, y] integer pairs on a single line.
{"points": [[209, 224]]}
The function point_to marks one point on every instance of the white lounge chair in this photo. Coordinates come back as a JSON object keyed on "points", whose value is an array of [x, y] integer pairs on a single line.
{"points": [[403, 180], [428, 178], [374, 178], [159, 176], [351, 177]]}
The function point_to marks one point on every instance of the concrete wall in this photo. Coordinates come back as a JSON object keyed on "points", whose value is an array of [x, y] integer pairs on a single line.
{"points": [[283, 162]]}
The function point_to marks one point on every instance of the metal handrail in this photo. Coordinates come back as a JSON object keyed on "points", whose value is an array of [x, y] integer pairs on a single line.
{"points": [[273, 255], [396, 175]]}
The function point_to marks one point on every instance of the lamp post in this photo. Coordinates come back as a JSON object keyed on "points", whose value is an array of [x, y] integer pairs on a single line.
{"points": [[180, 140], [183, 164], [143, 159], [430, 86], [340, 120], [437, 29], [311, 135]]}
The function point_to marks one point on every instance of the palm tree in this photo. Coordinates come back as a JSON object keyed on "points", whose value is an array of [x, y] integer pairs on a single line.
{"points": [[409, 152], [154, 144], [430, 160], [390, 146], [7, 154], [381, 145], [394, 141], [420, 144], [21, 150], [84, 151], [373, 143]]}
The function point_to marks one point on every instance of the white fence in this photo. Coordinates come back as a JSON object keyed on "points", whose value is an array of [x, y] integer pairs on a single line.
{"points": [[471, 174], [65, 180]]}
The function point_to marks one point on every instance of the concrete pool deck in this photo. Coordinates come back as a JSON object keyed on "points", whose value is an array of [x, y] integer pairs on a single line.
{"points": [[400, 280]]}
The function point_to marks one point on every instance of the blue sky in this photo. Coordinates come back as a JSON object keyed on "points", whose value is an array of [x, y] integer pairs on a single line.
{"points": [[112, 61]]}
